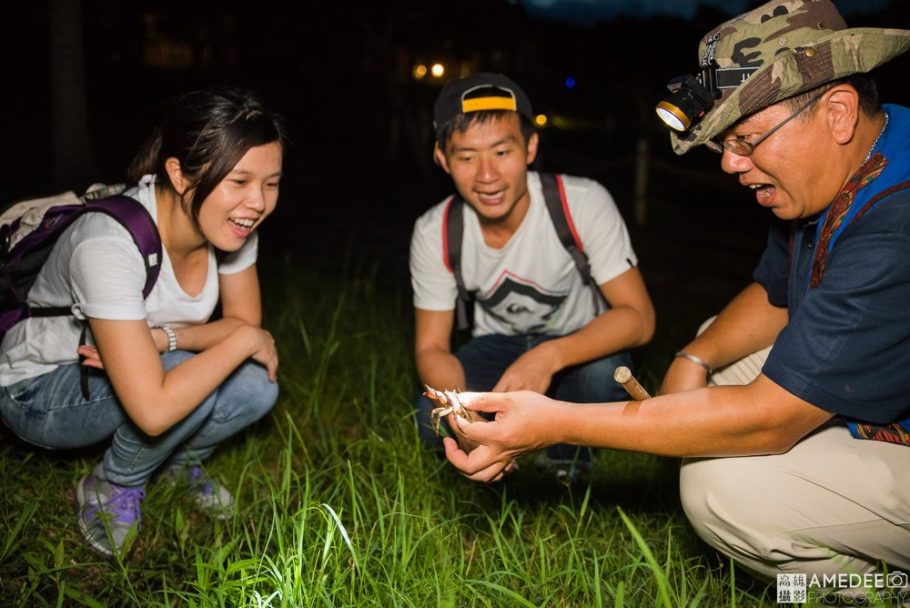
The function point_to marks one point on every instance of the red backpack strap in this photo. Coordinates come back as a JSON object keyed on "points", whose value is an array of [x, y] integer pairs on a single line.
{"points": [[554, 195]]}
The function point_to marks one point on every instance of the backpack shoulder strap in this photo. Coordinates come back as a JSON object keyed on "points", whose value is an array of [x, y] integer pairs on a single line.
{"points": [[452, 237], [554, 195], [130, 214]]}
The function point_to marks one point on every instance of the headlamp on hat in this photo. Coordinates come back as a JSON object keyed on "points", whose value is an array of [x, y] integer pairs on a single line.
{"points": [[692, 96], [689, 99]]}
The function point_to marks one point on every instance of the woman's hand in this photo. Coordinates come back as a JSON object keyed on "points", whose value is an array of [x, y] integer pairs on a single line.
{"points": [[264, 351], [89, 356], [523, 421]]}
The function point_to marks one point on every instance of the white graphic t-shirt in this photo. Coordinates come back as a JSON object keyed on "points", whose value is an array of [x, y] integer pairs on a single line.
{"points": [[531, 285]]}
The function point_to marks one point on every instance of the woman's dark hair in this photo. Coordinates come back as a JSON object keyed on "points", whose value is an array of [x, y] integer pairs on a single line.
{"points": [[208, 132]]}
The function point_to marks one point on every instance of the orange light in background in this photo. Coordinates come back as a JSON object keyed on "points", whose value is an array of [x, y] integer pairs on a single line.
{"points": [[419, 71], [541, 120], [438, 70]]}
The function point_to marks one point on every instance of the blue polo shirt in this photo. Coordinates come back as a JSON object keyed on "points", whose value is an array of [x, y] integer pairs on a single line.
{"points": [[846, 347]]}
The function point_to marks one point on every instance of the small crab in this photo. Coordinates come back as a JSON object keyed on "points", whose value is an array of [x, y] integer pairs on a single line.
{"points": [[450, 405]]}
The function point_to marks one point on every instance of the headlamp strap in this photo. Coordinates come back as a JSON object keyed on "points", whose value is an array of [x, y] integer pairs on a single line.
{"points": [[715, 78], [730, 78], [710, 44]]}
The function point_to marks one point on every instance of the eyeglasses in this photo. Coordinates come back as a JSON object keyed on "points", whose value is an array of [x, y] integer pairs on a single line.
{"points": [[739, 146]]}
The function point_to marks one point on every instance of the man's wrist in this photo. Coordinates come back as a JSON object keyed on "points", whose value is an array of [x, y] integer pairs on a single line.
{"points": [[568, 423], [550, 352], [696, 360]]}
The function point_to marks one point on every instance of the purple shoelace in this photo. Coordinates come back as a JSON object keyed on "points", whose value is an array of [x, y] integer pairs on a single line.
{"points": [[197, 475], [123, 505]]}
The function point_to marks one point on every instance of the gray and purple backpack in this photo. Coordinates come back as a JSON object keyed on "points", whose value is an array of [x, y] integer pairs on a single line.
{"points": [[30, 228]]}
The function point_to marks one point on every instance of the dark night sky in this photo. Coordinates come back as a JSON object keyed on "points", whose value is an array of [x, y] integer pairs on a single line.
{"points": [[586, 12], [340, 70], [360, 125]]}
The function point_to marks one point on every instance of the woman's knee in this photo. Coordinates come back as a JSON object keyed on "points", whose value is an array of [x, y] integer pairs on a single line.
{"points": [[248, 392], [172, 359], [267, 397]]}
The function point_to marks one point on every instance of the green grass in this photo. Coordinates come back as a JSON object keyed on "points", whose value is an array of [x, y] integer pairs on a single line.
{"points": [[340, 506]]}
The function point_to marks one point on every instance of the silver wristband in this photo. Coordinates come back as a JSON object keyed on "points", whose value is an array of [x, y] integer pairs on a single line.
{"points": [[696, 360], [171, 337]]}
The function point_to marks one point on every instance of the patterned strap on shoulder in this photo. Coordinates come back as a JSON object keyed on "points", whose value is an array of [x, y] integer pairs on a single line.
{"points": [[891, 433]]}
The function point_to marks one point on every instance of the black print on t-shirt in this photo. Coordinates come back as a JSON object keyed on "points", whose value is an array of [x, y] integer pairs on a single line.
{"points": [[522, 306]]}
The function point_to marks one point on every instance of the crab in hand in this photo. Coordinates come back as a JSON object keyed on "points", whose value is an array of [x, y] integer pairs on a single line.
{"points": [[449, 404]]}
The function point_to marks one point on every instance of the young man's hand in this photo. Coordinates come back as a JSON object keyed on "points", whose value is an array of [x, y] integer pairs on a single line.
{"points": [[532, 371]]}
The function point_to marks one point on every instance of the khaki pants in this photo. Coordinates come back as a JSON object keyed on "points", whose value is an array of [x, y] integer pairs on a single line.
{"points": [[832, 504]]}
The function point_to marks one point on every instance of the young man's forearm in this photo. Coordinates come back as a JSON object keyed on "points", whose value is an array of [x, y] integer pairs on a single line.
{"points": [[615, 330], [440, 369]]}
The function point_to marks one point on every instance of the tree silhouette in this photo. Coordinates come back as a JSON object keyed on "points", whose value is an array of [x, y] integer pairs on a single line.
{"points": [[73, 161]]}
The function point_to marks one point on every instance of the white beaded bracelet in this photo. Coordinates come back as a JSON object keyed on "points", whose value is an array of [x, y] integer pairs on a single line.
{"points": [[171, 337], [696, 360]]}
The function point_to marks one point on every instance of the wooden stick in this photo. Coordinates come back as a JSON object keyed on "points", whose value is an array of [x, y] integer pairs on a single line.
{"points": [[624, 376]]}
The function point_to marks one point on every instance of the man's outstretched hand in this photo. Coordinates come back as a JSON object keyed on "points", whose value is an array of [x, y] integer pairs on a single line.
{"points": [[522, 422]]}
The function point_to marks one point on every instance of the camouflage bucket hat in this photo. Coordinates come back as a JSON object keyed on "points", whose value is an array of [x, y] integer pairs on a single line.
{"points": [[778, 50]]}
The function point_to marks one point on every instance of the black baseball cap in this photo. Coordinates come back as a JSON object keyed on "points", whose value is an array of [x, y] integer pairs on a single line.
{"points": [[478, 92]]}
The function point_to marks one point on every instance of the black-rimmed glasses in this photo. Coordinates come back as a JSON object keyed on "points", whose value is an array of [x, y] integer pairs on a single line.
{"points": [[741, 147]]}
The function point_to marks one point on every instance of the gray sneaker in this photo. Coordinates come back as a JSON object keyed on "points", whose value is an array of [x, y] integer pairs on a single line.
{"points": [[108, 515], [568, 472], [209, 494]]}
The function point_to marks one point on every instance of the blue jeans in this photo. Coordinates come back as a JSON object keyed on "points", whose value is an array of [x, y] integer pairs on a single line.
{"points": [[50, 411], [486, 358]]}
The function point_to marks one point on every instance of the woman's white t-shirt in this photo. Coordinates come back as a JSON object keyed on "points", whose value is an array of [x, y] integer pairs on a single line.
{"points": [[96, 269]]}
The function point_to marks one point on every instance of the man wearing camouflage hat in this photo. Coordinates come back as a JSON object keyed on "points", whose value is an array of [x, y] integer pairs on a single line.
{"points": [[819, 429]]}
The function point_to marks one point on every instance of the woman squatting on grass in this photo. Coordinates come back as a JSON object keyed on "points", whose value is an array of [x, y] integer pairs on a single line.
{"points": [[174, 384]]}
